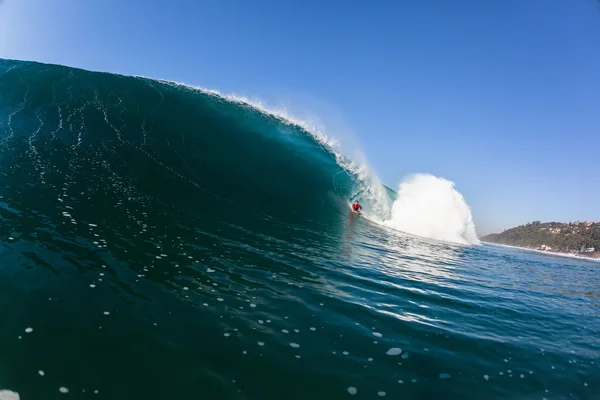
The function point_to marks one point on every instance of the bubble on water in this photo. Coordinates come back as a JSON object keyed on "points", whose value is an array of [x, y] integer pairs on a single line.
{"points": [[106, 313], [369, 359], [186, 288], [63, 389], [381, 394], [296, 330], [394, 351], [294, 345], [377, 334], [486, 377], [226, 334], [345, 353], [404, 356], [312, 329], [522, 376], [261, 343], [260, 321], [92, 285], [352, 390], [444, 375], [252, 305], [8, 395], [297, 356], [29, 330], [401, 382], [220, 299], [41, 373], [285, 331]]}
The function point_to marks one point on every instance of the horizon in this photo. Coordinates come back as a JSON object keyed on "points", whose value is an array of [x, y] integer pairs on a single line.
{"points": [[505, 125]]}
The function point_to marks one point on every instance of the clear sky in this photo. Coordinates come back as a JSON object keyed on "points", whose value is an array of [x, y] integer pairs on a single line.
{"points": [[502, 97]]}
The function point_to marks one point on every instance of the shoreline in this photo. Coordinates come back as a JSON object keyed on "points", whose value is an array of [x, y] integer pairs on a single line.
{"points": [[551, 253]]}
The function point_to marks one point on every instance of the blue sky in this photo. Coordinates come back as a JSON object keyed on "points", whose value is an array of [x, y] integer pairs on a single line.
{"points": [[502, 97]]}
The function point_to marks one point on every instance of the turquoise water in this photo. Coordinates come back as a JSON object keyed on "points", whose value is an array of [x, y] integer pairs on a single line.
{"points": [[158, 241]]}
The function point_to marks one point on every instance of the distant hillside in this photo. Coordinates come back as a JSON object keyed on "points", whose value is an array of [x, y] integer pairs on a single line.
{"points": [[578, 238]]}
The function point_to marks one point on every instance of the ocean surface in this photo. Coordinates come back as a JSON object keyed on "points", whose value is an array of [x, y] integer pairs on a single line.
{"points": [[165, 242]]}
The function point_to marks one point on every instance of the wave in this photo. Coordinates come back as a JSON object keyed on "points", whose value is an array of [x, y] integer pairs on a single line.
{"points": [[201, 152]]}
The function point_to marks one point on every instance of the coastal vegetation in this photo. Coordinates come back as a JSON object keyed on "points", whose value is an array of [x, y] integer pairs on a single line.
{"points": [[578, 238]]}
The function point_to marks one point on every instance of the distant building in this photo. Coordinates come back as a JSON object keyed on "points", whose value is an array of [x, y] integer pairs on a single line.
{"points": [[588, 250]]}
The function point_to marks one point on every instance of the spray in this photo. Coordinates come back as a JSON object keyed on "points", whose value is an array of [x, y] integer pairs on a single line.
{"points": [[431, 207]]}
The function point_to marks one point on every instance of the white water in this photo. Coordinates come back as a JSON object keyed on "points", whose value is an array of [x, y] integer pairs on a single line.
{"points": [[431, 207]]}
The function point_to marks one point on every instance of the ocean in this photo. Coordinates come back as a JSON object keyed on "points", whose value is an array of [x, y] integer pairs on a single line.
{"points": [[160, 241]]}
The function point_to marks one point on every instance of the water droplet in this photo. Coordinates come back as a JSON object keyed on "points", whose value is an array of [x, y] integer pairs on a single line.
{"points": [[394, 351]]}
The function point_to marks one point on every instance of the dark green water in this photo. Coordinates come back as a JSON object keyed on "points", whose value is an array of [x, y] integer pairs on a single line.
{"points": [[165, 243]]}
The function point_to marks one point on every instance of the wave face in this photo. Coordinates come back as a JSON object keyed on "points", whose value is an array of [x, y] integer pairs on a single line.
{"points": [[193, 148], [430, 207]]}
